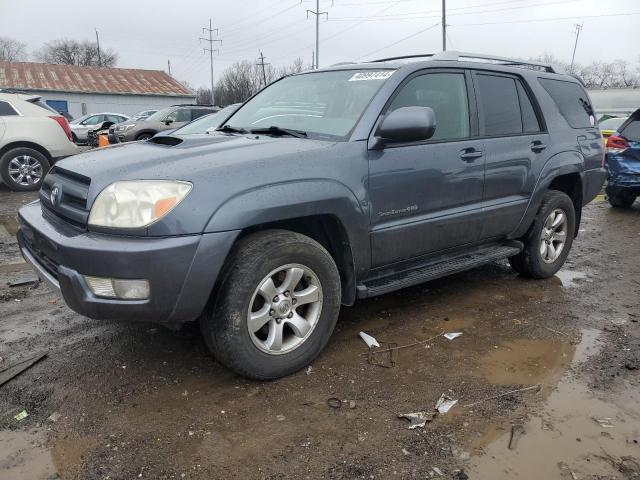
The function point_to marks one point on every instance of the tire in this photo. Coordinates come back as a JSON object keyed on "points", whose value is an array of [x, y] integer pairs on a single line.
{"points": [[22, 169], [620, 198], [145, 136], [74, 139], [279, 255], [531, 261]]}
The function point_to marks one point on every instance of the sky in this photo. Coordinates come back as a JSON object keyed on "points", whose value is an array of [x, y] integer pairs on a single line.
{"points": [[147, 33]]}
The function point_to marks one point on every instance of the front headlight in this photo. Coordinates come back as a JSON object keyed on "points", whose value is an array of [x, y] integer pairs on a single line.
{"points": [[135, 204], [124, 128]]}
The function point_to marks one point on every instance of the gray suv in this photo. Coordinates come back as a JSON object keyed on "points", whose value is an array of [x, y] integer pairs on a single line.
{"points": [[165, 119], [324, 188]]}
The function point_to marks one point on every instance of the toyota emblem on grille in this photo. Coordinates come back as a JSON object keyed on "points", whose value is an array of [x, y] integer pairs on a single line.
{"points": [[55, 196]]}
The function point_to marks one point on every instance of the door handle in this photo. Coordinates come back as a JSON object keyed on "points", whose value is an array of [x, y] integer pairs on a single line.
{"points": [[537, 146], [470, 154]]}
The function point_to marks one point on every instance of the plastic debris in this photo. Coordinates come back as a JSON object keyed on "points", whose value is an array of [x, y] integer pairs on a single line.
{"points": [[309, 370], [352, 404], [21, 416], [445, 403], [27, 278], [437, 471], [517, 431], [462, 475], [417, 419], [334, 402], [405, 451], [452, 335], [369, 340], [604, 422]]}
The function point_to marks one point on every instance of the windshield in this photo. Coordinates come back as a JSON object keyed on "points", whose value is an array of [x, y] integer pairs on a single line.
{"points": [[208, 122], [612, 123], [160, 114], [322, 104]]}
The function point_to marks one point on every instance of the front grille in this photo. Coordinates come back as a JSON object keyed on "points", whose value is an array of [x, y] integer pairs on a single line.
{"points": [[70, 203]]}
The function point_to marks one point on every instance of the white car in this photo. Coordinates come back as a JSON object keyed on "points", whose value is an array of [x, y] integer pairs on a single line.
{"points": [[32, 137], [80, 126]]}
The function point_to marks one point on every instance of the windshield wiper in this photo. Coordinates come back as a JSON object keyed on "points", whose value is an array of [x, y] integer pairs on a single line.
{"points": [[229, 129], [280, 131]]}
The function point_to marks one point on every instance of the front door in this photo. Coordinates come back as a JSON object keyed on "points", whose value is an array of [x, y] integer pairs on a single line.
{"points": [[427, 196]]}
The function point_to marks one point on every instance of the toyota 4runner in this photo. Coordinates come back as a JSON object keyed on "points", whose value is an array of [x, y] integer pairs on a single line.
{"points": [[326, 187]]}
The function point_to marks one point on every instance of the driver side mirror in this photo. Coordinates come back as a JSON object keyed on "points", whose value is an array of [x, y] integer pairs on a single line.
{"points": [[406, 124], [168, 121]]}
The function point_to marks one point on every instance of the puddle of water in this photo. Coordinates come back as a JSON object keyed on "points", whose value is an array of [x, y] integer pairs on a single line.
{"points": [[526, 361], [566, 438], [569, 278], [24, 456]]}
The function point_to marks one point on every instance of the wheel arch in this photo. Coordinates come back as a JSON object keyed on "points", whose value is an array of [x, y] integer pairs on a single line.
{"points": [[26, 144]]}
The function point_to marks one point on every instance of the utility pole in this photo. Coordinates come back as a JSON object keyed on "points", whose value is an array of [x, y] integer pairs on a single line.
{"points": [[313, 58], [98, 44], [575, 46], [169, 66], [211, 40], [317, 13], [444, 25], [262, 64]]}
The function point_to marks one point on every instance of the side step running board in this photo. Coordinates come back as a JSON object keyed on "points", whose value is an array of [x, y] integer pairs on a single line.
{"points": [[438, 269]]}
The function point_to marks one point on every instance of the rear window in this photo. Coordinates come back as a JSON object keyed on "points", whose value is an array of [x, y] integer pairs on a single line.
{"points": [[631, 129], [499, 106], [6, 109], [41, 104], [572, 101]]}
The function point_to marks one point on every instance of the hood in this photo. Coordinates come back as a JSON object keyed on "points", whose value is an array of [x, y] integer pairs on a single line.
{"points": [[198, 159]]}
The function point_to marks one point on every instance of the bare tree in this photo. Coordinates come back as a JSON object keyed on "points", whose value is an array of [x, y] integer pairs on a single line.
{"points": [[71, 52], [12, 50], [203, 96]]}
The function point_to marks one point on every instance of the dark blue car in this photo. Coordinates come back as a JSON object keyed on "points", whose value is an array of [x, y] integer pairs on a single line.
{"points": [[623, 163]]}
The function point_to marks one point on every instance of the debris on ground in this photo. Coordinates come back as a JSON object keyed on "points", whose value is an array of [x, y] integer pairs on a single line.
{"points": [[334, 402], [352, 404], [519, 390], [417, 419], [26, 278], [437, 471], [462, 475], [387, 360], [54, 417], [11, 371], [603, 422], [452, 335], [21, 416], [309, 370], [405, 451], [445, 403], [517, 431], [369, 340]]}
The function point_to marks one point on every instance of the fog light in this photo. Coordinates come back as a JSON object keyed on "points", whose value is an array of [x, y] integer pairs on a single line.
{"points": [[117, 288]]}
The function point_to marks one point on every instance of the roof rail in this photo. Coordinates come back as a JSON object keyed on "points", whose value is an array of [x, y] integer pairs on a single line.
{"points": [[450, 55]]}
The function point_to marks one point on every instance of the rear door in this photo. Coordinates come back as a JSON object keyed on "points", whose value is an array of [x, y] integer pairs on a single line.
{"points": [[514, 138]]}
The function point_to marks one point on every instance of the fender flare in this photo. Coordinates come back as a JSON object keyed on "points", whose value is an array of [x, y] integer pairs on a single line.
{"points": [[562, 163]]}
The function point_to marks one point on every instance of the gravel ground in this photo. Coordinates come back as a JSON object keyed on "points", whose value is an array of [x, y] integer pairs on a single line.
{"points": [[134, 400]]}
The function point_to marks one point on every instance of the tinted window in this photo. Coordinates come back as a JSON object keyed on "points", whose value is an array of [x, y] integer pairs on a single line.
{"points": [[199, 112], [530, 122], [446, 94], [115, 118], [6, 110], [93, 120], [572, 101], [499, 106], [631, 130], [180, 115]]}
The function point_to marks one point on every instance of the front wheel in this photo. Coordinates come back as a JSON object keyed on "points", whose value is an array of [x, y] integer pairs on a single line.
{"points": [[547, 244], [22, 169], [144, 136], [277, 305]]}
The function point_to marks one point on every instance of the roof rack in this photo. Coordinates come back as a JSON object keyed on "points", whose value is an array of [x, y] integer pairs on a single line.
{"points": [[474, 57]]}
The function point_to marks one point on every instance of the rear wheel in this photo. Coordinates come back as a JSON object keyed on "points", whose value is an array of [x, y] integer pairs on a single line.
{"points": [[144, 136], [620, 198], [22, 169], [547, 244], [277, 305]]}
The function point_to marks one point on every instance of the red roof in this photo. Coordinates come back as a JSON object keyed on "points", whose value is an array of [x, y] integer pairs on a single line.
{"points": [[71, 78]]}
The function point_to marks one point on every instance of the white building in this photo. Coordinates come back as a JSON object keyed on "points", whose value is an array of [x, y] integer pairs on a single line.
{"points": [[82, 90]]}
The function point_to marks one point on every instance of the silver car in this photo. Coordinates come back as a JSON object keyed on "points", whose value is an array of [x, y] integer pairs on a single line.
{"points": [[81, 126]]}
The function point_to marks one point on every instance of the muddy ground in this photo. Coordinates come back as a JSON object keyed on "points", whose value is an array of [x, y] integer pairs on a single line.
{"points": [[132, 400]]}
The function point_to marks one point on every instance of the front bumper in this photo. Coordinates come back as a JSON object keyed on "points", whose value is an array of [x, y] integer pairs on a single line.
{"points": [[181, 270]]}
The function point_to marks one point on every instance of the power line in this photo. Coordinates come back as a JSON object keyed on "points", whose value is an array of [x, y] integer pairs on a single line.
{"points": [[211, 41], [399, 41]]}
